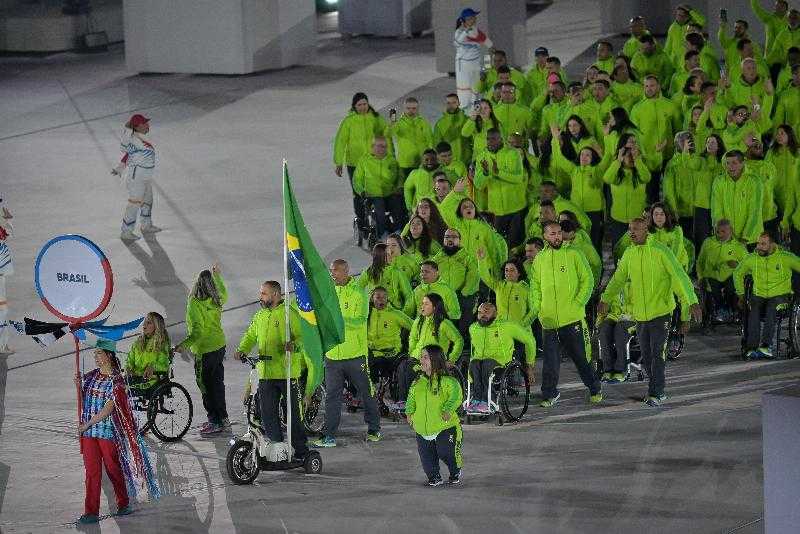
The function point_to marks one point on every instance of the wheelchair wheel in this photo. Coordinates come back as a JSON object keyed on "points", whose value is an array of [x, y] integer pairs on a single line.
{"points": [[514, 392], [139, 409], [358, 238], [794, 331], [314, 415], [456, 373], [242, 467], [170, 411]]}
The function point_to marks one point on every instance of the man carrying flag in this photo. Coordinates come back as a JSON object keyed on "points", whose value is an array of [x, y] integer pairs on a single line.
{"points": [[320, 320]]}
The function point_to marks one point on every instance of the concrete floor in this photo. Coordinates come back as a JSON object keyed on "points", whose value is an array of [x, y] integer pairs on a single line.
{"points": [[694, 466]]}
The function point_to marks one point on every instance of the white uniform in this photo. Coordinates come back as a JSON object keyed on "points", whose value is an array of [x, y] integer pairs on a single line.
{"points": [[139, 160], [469, 58]]}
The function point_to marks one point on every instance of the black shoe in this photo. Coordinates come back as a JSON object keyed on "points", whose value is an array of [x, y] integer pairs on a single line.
{"points": [[455, 479], [435, 481]]}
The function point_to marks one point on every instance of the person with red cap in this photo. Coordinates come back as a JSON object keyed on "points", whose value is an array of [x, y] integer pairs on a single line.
{"points": [[468, 41], [139, 159]]}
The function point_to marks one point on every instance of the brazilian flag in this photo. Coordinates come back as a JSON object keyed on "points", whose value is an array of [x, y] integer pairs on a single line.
{"points": [[321, 320]]}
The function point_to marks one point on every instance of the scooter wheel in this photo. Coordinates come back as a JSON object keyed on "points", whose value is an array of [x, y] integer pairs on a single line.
{"points": [[313, 463], [242, 469]]}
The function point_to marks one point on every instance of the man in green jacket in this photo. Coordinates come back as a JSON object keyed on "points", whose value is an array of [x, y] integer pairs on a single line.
{"points": [[655, 277], [651, 60], [719, 256], [773, 21], [432, 283], [385, 327], [637, 27], [453, 168], [499, 170], [513, 116], [492, 75], [448, 129], [493, 346], [771, 269], [411, 134], [267, 331], [787, 109], [676, 33], [349, 359], [658, 119], [459, 270], [788, 37], [561, 285], [733, 197], [419, 184], [377, 178]]}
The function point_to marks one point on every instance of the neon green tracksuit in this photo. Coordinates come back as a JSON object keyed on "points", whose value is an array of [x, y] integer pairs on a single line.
{"points": [[512, 298], [396, 284], [204, 332], [772, 274], [354, 137], [448, 128], [354, 306], [628, 191], [384, 330], [506, 188], [422, 335], [734, 199], [561, 285], [412, 136], [427, 402], [496, 341], [712, 262], [377, 177], [680, 183], [447, 293], [459, 271], [267, 331], [144, 354]]}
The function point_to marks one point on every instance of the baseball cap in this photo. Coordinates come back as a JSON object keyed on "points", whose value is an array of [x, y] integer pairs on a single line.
{"points": [[468, 12], [137, 120], [541, 51]]}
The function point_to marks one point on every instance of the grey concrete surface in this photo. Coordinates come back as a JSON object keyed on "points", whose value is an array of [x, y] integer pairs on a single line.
{"points": [[694, 466]]}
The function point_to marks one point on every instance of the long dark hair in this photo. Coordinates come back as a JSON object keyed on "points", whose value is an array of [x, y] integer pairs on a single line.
{"points": [[720, 147], [423, 242], [669, 223], [622, 121], [437, 317], [627, 60], [584, 131], [361, 96], [375, 270], [791, 143], [438, 364], [623, 140], [205, 288], [492, 117], [523, 277], [436, 225]]}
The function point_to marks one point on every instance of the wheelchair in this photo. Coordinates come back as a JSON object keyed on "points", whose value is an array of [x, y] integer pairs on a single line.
{"points": [[387, 386], [367, 230], [786, 337], [711, 315], [164, 407], [508, 394]]}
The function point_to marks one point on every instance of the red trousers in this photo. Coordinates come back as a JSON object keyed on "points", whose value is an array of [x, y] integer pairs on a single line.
{"points": [[96, 453]]}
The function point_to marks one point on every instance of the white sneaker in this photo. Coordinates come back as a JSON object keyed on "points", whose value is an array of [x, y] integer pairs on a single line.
{"points": [[128, 235], [150, 229], [6, 350]]}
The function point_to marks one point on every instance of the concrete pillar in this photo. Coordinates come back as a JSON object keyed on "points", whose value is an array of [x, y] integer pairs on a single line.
{"points": [[213, 37], [780, 411], [502, 20], [386, 18]]}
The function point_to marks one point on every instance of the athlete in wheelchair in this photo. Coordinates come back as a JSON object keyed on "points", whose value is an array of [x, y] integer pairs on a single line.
{"points": [[159, 404], [497, 381], [615, 333], [719, 256], [385, 328], [770, 301]]}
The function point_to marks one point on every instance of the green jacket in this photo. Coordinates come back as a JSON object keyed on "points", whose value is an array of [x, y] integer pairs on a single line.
{"points": [[741, 93], [733, 200], [496, 341], [412, 136], [554, 113], [475, 233], [676, 33], [448, 128], [729, 51], [712, 262], [658, 64], [561, 204], [633, 45], [454, 171], [421, 335], [629, 191], [354, 305], [680, 183], [470, 131], [586, 191], [354, 137], [584, 244], [459, 271], [787, 170], [674, 241], [396, 284], [658, 119], [377, 177], [384, 331], [786, 39], [768, 175], [654, 276], [773, 24], [267, 331], [787, 110], [628, 94], [428, 399], [772, 274], [507, 188], [418, 185], [710, 169], [561, 285], [408, 265], [143, 354], [485, 87], [511, 298], [447, 293], [515, 118], [204, 332]]}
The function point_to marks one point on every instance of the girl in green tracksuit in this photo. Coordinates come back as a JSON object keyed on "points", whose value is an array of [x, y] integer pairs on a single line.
{"points": [[431, 411], [382, 274], [511, 293], [401, 260], [419, 242], [150, 353], [783, 154], [711, 167], [628, 176], [665, 229]]}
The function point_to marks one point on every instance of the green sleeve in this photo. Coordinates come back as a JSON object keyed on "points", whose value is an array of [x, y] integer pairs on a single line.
{"points": [[617, 282], [702, 259], [725, 40], [403, 320], [448, 207], [754, 217], [456, 341], [791, 206], [792, 261], [408, 191], [411, 402], [404, 287], [560, 162], [680, 281], [472, 278], [132, 361], [610, 176], [192, 324], [669, 184], [249, 337], [529, 316], [413, 334], [359, 180], [585, 279], [763, 15], [361, 305], [510, 169], [469, 129], [294, 329], [535, 291], [744, 268], [410, 306], [526, 338], [644, 172], [485, 273], [451, 303], [161, 365], [221, 289], [340, 142], [454, 396]]}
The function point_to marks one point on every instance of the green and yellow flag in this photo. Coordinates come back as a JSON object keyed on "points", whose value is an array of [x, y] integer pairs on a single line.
{"points": [[321, 320]]}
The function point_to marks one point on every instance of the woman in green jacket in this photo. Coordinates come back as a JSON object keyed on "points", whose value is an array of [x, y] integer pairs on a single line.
{"points": [[419, 242], [382, 274], [680, 180], [431, 409], [401, 260], [206, 339], [511, 293], [480, 121], [711, 167], [628, 177], [668, 232], [783, 154], [150, 354]]}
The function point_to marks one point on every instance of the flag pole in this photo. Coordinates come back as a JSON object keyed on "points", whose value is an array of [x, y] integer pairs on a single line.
{"points": [[79, 384], [288, 332]]}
